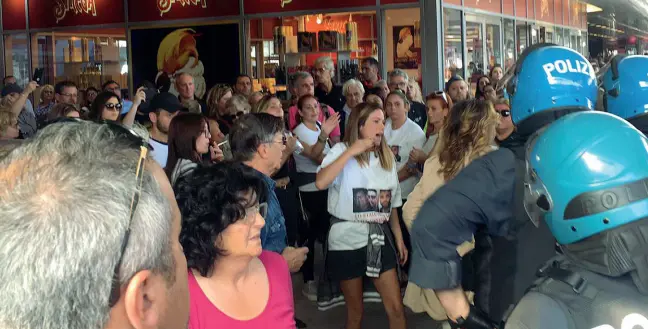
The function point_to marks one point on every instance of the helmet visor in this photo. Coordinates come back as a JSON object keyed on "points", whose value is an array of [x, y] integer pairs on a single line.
{"points": [[537, 201]]}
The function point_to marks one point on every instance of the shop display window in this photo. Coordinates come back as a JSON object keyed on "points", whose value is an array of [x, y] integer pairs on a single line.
{"points": [[522, 32], [282, 46], [452, 44], [509, 43], [484, 45], [89, 58], [17, 57], [404, 42]]}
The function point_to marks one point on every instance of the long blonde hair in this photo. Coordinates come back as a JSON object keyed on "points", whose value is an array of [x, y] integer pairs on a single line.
{"points": [[356, 121], [213, 98], [468, 133]]}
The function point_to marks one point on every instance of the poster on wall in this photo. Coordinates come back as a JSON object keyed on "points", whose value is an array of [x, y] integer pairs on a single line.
{"points": [[406, 48], [209, 53]]}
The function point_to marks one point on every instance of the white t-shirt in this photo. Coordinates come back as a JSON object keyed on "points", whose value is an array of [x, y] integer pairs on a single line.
{"points": [[401, 142], [160, 152], [305, 164], [359, 195]]}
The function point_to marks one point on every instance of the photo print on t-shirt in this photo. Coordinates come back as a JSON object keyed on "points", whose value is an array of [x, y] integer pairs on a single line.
{"points": [[385, 201], [396, 150], [368, 205]]}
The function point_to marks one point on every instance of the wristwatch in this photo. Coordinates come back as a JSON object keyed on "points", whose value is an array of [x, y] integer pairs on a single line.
{"points": [[322, 139]]}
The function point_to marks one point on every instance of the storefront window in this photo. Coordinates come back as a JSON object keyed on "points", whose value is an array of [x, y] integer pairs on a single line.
{"points": [[17, 57], [403, 46], [559, 36], [522, 36], [483, 45], [453, 45], [88, 59], [509, 43], [283, 46]]}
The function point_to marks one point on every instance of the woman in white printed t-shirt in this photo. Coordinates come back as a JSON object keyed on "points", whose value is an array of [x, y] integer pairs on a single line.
{"points": [[403, 135], [364, 192], [314, 137]]}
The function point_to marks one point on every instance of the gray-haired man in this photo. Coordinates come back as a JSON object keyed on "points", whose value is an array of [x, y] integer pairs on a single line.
{"points": [[89, 234]]}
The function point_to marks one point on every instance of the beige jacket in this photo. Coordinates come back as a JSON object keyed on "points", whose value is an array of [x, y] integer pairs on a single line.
{"points": [[418, 299]]}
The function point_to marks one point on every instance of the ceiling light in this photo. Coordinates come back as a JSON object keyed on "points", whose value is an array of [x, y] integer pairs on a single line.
{"points": [[593, 8]]}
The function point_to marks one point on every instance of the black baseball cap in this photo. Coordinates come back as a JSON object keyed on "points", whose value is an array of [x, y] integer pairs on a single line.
{"points": [[10, 89], [165, 101]]}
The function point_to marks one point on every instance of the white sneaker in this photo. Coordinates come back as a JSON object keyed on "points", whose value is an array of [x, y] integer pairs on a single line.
{"points": [[310, 290]]}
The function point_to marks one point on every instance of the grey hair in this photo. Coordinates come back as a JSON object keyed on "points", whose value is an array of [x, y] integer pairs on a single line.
{"points": [[352, 82], [238, 103], [399, 73], [300, 75], [328, 64], [382, 83], [64, 206]]}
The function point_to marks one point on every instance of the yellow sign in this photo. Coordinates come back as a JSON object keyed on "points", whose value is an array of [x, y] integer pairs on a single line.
{"points": [[61, 7], [165, 5], [285, 2]]}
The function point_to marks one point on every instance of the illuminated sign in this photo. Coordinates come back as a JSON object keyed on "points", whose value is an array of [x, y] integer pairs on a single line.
{"points": [[165, 5], [285, 2], [61, 7]]}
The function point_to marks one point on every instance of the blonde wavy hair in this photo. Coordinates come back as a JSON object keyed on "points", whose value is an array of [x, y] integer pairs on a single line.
{"points": [[468, 133], [356, 121], [7, 119], [214, 96]]}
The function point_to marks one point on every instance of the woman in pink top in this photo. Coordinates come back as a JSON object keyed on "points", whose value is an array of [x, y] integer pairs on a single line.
{"points": [[233, 284]]}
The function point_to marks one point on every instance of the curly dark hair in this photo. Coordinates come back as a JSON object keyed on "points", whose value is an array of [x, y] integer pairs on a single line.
{"points": [[212, 198]]}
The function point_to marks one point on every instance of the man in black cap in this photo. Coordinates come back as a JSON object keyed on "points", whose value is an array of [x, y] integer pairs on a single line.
{"points": [[163, 107], [15, 99]]}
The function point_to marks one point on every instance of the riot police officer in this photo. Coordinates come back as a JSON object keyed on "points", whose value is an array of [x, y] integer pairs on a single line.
{"points": [[625, 83], [546, 83], [587, 178]]}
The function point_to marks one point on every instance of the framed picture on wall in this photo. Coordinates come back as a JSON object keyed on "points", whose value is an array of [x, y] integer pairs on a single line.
{"points": [[407, 52], [209, 53]]}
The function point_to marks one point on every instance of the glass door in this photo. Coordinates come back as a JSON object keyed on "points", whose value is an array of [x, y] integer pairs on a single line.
{"points": [[484, 46]]}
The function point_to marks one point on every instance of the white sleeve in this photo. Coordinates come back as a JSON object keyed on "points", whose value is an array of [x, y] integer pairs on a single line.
{"points": [[332, 155], [397, 199]]}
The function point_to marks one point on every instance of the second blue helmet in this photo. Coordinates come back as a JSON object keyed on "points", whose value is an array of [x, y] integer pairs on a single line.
{"points": [[625, 82], [586, 173], [546, 82]]}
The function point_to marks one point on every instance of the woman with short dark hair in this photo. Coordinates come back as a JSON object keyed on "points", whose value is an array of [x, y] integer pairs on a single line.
{"points": [[233, 283]]}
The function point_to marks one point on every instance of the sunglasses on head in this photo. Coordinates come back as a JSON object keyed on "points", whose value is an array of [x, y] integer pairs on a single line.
{"points": [[439, 93], [111, 106]]}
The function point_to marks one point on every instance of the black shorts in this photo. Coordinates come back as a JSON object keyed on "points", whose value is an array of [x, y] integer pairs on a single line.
{"points": [[351, 264]]}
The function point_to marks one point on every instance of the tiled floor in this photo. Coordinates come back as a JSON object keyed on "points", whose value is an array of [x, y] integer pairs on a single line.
{"points": [[374, 316]]}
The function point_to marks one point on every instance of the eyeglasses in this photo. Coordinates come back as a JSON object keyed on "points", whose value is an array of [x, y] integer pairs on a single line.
{"points": [[134, 140], [284, 141], [261, 209], [505, 113], [112, 106]]}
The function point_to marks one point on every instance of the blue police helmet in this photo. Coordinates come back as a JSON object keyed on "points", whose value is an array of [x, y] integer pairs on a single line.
{"points": [[625, 82], [586, 173], [548, 81]]}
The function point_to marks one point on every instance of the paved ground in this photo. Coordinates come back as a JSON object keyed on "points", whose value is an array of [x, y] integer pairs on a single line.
{"points": [[374, 316]]}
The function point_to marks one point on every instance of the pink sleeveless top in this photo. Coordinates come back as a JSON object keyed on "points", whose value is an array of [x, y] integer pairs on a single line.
{"points": [[279, 313]]}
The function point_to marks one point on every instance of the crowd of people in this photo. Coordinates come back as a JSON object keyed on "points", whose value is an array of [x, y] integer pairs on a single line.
{"points": [[167, 211]]}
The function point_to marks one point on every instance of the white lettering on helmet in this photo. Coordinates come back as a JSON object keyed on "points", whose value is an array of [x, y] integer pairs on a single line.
{"points": [[563, 66], [548, 68], [630, 321]]}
